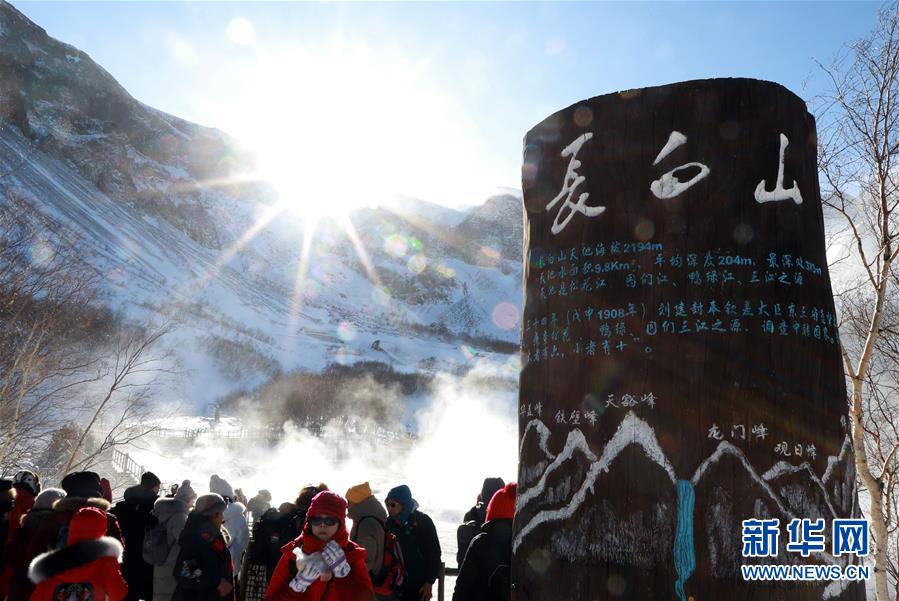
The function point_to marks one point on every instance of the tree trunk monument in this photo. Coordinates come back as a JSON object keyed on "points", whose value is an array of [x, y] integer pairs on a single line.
{"points": [[681, 362]]}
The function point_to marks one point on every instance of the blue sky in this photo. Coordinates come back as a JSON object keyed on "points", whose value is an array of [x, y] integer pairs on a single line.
{"points": [[429, 99]]}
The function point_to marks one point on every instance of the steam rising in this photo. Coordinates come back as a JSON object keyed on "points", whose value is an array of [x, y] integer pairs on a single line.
{"points": [[465, 431]]}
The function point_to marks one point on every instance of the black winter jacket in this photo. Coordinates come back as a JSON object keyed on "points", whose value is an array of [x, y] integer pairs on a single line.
{"points": [[135, 516], [489, 549], [204, 548], [421, 552]]}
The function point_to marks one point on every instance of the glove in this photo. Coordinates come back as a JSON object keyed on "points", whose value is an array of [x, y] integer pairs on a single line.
{"points": [[309, 569], [309, 574], [335, 559]]}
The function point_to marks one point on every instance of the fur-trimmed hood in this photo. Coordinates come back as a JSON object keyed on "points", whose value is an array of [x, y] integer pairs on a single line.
{"points": [[73, 504], [35, 516], [50, 564], [166, 508]]}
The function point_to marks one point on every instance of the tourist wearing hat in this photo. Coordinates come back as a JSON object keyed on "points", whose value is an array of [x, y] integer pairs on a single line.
{"points": [[369, 521], [322, 564], [259, 504], [27, 486], [172, 513], [203, 570], [86, 568], [135, 515], [235, 520], [484, 572], [82, 490], [418, 541], [20, 587], [475, 517]]}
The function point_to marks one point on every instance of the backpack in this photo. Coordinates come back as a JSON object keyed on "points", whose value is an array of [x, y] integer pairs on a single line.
{"points": [[155, 549], [499, 583], [392, 574], [465, 533]]}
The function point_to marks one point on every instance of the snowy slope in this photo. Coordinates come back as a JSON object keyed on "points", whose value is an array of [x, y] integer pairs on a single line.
{"points": [[140, 192]]}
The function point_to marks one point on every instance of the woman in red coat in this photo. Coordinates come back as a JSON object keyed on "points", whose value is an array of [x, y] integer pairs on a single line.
{"points": [[322, 564], [86, 569]]}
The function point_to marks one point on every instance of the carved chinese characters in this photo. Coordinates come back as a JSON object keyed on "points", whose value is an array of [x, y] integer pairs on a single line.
{"points": [[681, 368]]}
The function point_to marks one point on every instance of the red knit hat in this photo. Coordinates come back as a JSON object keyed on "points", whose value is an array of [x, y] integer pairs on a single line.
{"points": [[502, 505], [327, 503], [88, 523]]}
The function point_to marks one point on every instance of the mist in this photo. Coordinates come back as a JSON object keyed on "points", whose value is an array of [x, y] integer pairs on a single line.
{"points": [[465, 430]]}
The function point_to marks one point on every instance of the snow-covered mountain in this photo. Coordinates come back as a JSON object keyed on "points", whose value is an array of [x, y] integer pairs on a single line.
{"points": [[169, 213]]}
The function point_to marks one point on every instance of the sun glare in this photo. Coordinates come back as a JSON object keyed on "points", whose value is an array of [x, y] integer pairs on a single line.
{"points": [[340, 128]]}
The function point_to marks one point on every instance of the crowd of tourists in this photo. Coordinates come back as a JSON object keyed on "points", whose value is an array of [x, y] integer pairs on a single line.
{"points": [[73, 543]]}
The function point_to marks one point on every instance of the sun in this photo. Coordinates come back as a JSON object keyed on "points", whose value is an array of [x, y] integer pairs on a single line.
{"points": [[337, 128]]}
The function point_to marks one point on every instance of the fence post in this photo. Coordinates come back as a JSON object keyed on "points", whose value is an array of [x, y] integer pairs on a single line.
{"points": [[440, 582]]}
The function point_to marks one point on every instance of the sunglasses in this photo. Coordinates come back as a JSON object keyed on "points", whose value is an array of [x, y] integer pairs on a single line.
{"points": [[393, 504], [326, 521]]}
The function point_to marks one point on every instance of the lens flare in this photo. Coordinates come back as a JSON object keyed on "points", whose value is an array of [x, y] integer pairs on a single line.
{"points": [[396, 246], [417, 263], [341, 356], [491, 253], [467, 352], [42, 252], [445, 271], [311, 290], [512, 366], [346, 331], [505, 316]]}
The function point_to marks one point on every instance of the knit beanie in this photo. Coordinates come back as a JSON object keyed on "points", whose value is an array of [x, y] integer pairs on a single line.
{"points": [[401, 494], [186, 493], [502, 505], [47, 498], [221, 487], [87, 523], [82, 484], [28, 481], [358, 493], [149, 479], [209, 504], [329, 504]]}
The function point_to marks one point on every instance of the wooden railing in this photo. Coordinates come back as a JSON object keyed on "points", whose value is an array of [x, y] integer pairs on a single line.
{"points": [[123, 463], [444, 571]]}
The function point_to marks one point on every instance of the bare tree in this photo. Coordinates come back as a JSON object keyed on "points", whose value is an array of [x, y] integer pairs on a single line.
{"points": [[74, 377], [47, 318], [858, 153], [132, 373]]}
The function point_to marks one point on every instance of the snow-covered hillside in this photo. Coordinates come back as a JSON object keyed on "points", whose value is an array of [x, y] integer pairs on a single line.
{"points": [[164, 209]]}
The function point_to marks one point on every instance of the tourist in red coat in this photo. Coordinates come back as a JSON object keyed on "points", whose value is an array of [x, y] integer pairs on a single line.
{"points": [[86, 568], [322, 564]]}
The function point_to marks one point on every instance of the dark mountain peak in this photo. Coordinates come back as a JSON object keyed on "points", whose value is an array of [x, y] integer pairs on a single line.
{"points": [[498, 222], [499, 207], [75, 111]]}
